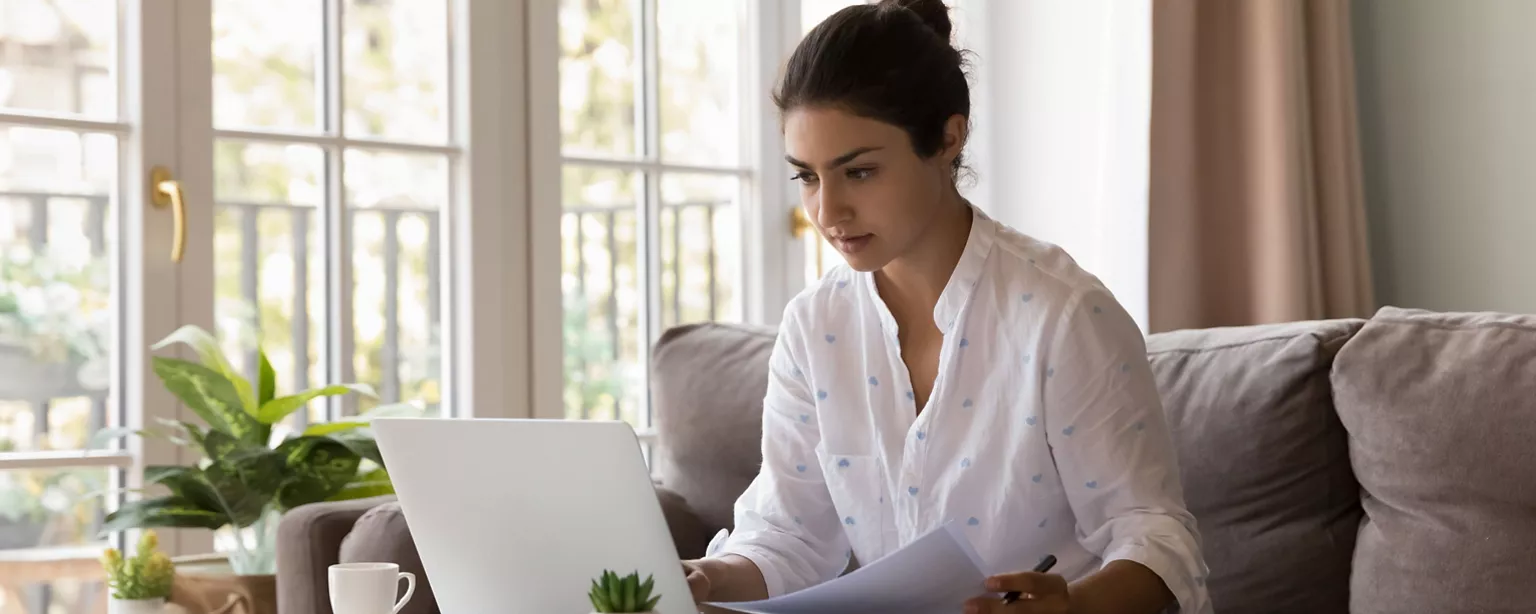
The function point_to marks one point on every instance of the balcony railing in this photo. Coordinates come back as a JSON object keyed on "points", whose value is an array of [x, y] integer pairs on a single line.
{"points": [[689, 247]]}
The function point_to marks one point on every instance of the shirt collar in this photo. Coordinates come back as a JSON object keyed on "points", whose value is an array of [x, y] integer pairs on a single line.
{"points": [[962, 282]]}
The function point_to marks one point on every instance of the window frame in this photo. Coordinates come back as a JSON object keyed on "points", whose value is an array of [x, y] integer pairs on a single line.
{"points": [[772, 258], [165, 85]]}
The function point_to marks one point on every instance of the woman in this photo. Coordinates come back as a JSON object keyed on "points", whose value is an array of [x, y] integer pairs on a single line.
{"points": [[955, 371]]}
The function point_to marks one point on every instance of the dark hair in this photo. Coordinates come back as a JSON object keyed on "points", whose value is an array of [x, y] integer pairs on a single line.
{"points": [[891, 62]]}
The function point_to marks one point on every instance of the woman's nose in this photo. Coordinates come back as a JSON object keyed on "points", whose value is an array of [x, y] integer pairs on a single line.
{"points": [[834, 209]]}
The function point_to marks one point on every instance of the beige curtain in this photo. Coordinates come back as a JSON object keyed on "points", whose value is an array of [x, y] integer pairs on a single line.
{"points": [[1257, 213]]}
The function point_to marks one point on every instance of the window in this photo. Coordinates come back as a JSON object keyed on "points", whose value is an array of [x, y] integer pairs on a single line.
{"points": [[321, 154], [60, 136], [322, 122], [655, 178]]}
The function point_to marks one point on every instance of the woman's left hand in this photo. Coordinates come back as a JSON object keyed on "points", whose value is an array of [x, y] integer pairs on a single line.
{"points": [[1040, 593]]}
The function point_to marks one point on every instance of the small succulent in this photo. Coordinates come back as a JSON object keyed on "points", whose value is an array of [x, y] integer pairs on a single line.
{"points": [[612, 593], [148, 574]]}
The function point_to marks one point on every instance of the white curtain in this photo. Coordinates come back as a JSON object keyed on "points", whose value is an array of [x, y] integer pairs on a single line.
{"points": [[1061, 109]]}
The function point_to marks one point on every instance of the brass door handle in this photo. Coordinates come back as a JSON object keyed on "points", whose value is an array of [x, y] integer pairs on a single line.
{"points": [[166, 192]]}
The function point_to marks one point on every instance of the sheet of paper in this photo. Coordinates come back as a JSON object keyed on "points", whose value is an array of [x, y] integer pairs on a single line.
{"points": [[934, 575]]}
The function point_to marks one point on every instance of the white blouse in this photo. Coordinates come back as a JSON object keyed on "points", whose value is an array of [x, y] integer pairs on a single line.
{"points": [[1044, 432]]}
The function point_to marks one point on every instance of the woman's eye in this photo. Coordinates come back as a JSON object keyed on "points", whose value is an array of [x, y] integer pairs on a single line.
{"points": [[860, 173], [804, 177]]}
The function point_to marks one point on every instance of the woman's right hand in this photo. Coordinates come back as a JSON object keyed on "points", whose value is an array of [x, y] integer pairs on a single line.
{"points": [[698, 580]]}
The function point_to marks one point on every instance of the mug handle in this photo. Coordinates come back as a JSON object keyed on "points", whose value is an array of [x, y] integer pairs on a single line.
{"points": [[410, 589]]}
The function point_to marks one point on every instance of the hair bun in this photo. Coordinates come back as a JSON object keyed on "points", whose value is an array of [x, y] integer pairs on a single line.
{"points": [[933, 12]]}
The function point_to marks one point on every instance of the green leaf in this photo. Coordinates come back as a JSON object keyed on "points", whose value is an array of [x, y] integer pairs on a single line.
{"points": [[646, 588], [361, 443], [327, 428], [600, 598], [103, 437], [383, 411], [171, 511], [315, 469], [212, 357], [200, 341], [211, 396], [267, 384], [615, 591], [216, 488], [374, 483], [277, 409], [631, 582], [191, 433], [650, 606]]}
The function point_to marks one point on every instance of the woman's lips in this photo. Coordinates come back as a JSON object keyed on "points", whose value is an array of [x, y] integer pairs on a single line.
{"points": [[852, 245]]}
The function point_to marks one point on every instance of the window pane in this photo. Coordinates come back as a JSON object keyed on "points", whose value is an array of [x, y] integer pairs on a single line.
{"points": [[395, 55], [267, 59], [397, 277], [700, 249], [57, 236], [48, 540], [269, 262], [58, 56], [698, 45], [62, 596], [50, 507], [602, 283], [598, 64]]}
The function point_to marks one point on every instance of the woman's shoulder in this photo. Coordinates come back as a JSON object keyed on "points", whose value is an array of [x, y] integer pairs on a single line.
{"points": [[1043, 274], [835, 293]]}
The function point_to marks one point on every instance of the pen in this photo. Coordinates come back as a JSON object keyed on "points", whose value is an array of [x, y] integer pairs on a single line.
{"points": [[1044, 566]]}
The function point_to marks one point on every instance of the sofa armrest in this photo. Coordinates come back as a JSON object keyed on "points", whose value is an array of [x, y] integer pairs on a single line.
{"points": [[689, 532], [308, 543]]}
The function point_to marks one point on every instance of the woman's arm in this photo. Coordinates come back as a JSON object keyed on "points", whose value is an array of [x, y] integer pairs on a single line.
{"points": [[1117, 462], [1119, 587], [726, 578], [787, 534]]}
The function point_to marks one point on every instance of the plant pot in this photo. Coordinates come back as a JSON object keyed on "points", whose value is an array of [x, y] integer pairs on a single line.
{"points": [[19, 534], [28, 377], [136, 606], [223, 593]]}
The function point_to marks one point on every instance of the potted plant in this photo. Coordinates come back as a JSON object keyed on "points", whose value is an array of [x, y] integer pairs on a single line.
{"points": [[140, 584], [612, 593], [250, 472]]}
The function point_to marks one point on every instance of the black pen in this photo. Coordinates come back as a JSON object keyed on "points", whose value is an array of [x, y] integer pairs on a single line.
{"points": [[1045, 565]]}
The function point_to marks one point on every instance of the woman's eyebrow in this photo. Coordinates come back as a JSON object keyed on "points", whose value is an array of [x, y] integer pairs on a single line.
{"points": [[838, 161]]}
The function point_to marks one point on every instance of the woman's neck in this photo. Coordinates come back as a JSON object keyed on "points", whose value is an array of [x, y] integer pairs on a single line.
{"points": [[917, 278]]}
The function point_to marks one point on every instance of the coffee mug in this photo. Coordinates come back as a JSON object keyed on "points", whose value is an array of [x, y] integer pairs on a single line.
{"points": [[369, 588]]}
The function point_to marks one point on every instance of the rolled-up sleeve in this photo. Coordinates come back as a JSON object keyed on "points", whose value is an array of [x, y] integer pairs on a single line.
{"points": [[1113, 449], [785, 521]]}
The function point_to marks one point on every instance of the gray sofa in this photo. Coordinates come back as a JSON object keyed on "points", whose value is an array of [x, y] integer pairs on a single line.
{"points": [[1371, 466]]}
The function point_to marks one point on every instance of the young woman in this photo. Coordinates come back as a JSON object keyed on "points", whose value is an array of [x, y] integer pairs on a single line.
{"points": [[956, 371]]}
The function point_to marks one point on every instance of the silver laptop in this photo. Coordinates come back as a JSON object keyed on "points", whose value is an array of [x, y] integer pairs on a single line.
{"points": [[520, 516]]}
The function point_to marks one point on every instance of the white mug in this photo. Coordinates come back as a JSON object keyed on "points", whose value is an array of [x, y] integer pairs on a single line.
{"points": [[369, 588]]}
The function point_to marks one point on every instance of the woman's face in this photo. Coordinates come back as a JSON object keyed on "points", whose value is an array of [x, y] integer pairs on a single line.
{"points": [[862, 184]]}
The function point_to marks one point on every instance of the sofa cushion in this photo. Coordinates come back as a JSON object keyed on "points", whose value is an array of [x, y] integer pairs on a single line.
{"points": [[381, 536], [708, 382], [1441, 413], [1264, 461]]}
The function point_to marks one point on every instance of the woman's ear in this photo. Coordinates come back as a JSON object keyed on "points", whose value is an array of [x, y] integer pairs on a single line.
{"points": [[956, 129]]}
